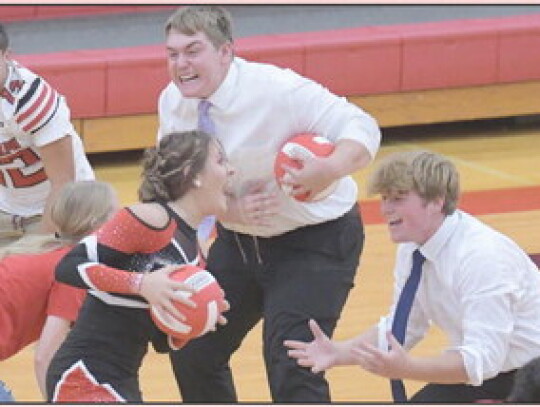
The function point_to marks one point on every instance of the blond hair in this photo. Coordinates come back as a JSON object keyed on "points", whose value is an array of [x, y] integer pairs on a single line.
{"points": [[214, 21], [80, 208], [428, 174]]}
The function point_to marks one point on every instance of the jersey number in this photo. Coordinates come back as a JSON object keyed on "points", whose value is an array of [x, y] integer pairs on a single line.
{"points": [[18, 178]]}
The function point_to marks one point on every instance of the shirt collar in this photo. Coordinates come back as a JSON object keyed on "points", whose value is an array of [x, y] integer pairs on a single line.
{"points": [[435, 243], [225, 93]]}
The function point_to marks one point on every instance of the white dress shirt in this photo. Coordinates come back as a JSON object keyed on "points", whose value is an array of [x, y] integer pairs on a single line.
{"points": [[255, 110], [481, 289]]}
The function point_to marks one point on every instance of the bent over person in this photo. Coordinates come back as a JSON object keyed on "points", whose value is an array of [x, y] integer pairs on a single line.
{"points": [[125, 266], [40, 150], [477, 285], [33, 306], [278, 259]]}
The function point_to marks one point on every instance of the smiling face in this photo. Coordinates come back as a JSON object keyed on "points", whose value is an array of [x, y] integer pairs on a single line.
{"points": [[195, 65], [213, 182], [409, 217]]}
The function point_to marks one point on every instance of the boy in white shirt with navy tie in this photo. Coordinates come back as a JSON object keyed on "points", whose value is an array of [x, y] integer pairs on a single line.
{"points": [[477, 285]]}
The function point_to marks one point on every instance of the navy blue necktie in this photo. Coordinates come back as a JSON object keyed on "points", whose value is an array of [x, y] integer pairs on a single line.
{"points": [[401, 316]]}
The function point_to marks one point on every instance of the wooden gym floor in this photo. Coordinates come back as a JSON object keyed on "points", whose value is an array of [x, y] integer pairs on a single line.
{"points": [[498, 161]]}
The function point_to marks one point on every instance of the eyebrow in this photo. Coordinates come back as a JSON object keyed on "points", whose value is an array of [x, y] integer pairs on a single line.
{"points": [[189, 45]]}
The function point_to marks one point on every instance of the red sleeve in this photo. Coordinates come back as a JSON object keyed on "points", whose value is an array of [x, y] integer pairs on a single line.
{"points": [[65, 301], [125, 232]]}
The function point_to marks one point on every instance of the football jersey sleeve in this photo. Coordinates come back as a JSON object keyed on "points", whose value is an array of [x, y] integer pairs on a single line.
{"points": [[41, 110]]}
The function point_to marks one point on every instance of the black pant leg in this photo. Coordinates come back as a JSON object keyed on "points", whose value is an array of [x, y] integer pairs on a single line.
{"points": [[308, 278], [497, 388], [202, 368]]}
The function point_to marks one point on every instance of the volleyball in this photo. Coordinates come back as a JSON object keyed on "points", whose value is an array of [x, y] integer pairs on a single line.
{"points": [[208, 297], [299, 147]]}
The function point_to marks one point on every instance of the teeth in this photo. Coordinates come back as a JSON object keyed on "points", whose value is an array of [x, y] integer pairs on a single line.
{"points": [[187, 78]]}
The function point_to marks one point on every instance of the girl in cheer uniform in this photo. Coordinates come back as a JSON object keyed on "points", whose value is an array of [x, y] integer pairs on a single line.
{"points": [[125, 267]]}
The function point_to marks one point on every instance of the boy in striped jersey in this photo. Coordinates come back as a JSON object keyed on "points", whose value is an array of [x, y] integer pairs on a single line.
{"points": [[39, 149]]}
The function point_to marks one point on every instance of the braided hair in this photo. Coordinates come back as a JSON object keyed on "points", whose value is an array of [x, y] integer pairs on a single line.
{"points": [[169, 171]]}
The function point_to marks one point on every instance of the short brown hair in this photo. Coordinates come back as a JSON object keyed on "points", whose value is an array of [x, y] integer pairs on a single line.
{"points": [[214, 21], [428, 174]]}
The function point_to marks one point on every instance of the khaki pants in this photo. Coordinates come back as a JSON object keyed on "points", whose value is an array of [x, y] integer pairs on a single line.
{"points": [[13, 227]]}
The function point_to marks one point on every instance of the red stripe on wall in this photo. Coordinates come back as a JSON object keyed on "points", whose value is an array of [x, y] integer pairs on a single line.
{"points": [[475, 202]]}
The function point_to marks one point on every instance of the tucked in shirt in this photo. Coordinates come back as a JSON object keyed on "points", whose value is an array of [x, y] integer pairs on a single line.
{"points": [[255, 110]]}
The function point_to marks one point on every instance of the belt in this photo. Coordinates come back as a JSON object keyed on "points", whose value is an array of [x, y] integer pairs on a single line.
{"points": [[15, 225]]}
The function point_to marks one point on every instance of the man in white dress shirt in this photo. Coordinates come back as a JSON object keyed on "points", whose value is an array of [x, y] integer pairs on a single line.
{"points": [[477, 285], [278, 259]]}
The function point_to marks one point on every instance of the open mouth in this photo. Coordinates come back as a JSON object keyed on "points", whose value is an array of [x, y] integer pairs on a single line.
{"points": [[394, 222], [227, 191], [187, 78]]}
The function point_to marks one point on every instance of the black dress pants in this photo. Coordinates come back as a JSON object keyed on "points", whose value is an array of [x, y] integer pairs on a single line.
{"points": [[285, 280], [495, 389]]}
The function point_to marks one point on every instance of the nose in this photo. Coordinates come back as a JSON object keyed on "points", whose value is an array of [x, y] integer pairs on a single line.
{"points": [[179, 61], [230, 170], [385, 207]]}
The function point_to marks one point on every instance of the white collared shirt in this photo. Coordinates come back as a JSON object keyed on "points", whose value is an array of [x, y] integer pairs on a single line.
{"points": [[481, 289], [255, 110]]}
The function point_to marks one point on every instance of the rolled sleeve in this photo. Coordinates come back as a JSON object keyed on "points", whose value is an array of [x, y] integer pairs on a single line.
{"points": [[488, 324]]}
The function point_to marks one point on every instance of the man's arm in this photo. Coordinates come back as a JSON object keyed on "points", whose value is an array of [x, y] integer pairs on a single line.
{"points": [[59, 165], [396, 363], [318, 173]]}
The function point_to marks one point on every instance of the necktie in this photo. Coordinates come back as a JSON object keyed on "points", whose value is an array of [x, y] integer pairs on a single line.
{"points": [[403, 309], [205, 123]]}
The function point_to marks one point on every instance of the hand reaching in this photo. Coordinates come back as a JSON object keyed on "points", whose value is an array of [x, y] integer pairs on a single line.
{"points": [[391, 364], [319, 354]]}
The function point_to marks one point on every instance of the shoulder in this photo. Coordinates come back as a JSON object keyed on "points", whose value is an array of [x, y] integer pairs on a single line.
{"points": [[137, 226], [268, 73], [169, 95], [152, 214]]}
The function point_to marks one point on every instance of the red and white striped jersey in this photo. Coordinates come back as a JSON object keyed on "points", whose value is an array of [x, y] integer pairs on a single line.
{"points": [[32, 114]]}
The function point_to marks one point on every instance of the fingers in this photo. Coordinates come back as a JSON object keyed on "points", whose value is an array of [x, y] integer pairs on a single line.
{"points": [[222, 320], [289, 343], [169, 312], [182, 293], [260, 208], [316, 330]]}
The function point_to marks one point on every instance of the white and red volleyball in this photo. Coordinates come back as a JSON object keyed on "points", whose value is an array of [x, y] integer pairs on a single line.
{"points": [[209, 299], [301, 146]]}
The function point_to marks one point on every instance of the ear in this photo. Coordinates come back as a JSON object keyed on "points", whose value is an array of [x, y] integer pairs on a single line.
{"points": [[197, 183], [227, 51], [436, 205]]}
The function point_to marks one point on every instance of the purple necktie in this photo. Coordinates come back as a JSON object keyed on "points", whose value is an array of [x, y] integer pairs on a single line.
{"points": [[401, 316], [205, 123]]}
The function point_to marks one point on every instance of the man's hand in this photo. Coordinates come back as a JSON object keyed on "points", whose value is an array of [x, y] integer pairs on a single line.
{"points": [[319, 354]]}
